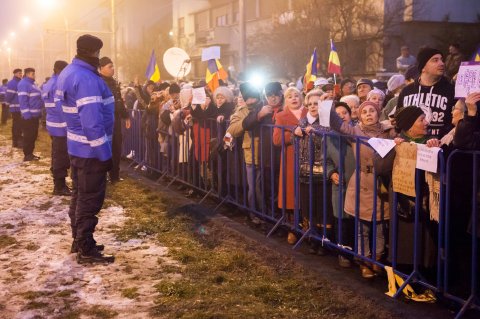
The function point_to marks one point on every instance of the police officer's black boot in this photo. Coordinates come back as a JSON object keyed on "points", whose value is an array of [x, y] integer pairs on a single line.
{"points": [[60, 187], [74, 249], [89, 254]]}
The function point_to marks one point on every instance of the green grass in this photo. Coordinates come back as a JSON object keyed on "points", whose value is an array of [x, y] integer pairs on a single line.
{"points": [[6, 241], [222, 274], [130, 293]]}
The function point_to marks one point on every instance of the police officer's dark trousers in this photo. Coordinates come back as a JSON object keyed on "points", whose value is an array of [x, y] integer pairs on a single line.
{"points": [[16, 128], [89, 185], [30, 134], [5, 113], [60, 159]]}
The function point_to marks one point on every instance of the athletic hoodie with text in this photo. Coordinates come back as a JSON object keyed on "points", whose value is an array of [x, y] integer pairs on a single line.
{"points": [[436, 101]]}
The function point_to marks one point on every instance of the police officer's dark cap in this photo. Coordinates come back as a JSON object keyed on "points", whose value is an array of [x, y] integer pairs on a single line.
{"points": [[60, 65], [89, 43], [17, 70], [28, 70]]}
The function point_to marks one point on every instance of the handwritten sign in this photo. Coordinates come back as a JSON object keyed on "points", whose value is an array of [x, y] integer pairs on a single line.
{"points": [[403, 176], [211, 53], [427, 158], [468, 79], [199, 96], [381, 146], [324, 108]]}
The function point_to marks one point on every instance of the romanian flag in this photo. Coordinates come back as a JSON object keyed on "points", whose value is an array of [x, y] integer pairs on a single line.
{"points": [[476, 55], [215, 71], [311, 73], [153, 72], [333, 60]]}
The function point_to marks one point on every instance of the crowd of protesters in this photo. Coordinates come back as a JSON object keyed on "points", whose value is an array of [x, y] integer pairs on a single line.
{"points": [[259, 127]]}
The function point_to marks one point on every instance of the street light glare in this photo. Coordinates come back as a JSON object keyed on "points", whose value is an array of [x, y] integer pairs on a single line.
{"points": [[12, 34], [46, 3], [26, 21]]}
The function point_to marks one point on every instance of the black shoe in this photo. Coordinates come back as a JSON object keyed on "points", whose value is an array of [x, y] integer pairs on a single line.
{"points": [[62, 191], [94, 257], [74, 248], [31, 157], [116, 180]]}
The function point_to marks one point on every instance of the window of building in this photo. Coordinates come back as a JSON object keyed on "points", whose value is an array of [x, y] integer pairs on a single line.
{"points": [[222, 21], [202, 21], [181, 27]]}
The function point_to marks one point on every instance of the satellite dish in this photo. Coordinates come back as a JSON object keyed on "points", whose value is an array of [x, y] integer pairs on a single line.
{"points": [[177, 62]]}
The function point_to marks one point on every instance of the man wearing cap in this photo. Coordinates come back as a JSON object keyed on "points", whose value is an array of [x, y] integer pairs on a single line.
{"points": [[395, 85], [107, 71], [88, 109], [57, 128], [432, 92], [405, 60], [363, 87], [255, 123], [31, 105], [11, 97]]}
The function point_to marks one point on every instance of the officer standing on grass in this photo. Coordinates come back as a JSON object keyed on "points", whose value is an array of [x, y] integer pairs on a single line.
{"points": [[11, 97], [31, 105], [107, 71], [88, 107], [57, 128]]}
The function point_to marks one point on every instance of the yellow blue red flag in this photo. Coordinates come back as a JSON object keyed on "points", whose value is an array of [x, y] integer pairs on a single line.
{"points": [[153, 72], [476, 55]]}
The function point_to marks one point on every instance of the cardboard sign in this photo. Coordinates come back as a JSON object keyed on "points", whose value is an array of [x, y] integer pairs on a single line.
{"points": [[468, 79], [403, 176], [211, 53], [427, 158], [324, 109], [199, 96], [381, 146]]}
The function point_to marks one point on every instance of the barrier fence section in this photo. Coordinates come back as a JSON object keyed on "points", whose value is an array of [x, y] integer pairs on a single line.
{"points": [[323, 188]]}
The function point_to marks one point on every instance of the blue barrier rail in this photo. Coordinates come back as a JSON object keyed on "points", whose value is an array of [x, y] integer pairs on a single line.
{"points": [[195, 157]]}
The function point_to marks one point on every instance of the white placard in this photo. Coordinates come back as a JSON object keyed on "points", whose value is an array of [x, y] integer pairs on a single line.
{"points": [[211, 53], [324, 109], [199, 96], [427, 158], [468, 79], [381, 146]]}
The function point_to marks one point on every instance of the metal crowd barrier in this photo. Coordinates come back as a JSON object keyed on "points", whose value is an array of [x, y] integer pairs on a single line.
{"points": [[197, 159]]}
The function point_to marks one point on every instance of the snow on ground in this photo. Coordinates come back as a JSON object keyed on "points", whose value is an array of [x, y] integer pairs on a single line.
{"points": [[38, 275]]}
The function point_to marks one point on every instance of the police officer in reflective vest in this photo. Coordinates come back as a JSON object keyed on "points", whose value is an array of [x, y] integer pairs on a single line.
{"points": [[88, 106], [11, 97], [31, 106], [57, 128]]}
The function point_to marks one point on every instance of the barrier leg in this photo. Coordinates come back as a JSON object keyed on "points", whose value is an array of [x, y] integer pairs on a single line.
{"points": [[279, 222]]}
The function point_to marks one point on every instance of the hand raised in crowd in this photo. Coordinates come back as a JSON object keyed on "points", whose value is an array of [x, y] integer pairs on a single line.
{"points": [[326, 96], [220, 118], [128, 124], [335, 178], [433, 142], [265, 110], [471, 102]]}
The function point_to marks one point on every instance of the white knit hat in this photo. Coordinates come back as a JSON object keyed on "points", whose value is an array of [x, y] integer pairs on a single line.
{"points": [[225, 91], [395, 82]]}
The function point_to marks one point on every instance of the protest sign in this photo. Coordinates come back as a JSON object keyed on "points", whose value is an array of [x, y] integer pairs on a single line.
{"points": [[427, 158], [403, 176], [211, 53], [381, 146], [468, 79], [199, 96], [324, 109]]}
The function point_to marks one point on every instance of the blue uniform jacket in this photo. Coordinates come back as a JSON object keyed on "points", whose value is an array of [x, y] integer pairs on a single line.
{"points": [[88, 107], [3, 91], [11, 97], [56, 125], [30, 99]]}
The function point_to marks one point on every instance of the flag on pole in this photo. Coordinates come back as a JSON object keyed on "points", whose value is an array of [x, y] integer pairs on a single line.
{"points": [[212, 75], [476, 55], [215, 72], [153, 72], [333, 60], [311, 73]]}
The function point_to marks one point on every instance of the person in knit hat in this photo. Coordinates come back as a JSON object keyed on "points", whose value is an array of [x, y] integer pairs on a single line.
{"points": [[107, 71], [368, 127], [395, 84], [431, 91], [363, 87]]}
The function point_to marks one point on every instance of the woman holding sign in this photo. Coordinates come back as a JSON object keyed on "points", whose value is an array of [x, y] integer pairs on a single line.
{"points": [[412, 126]]}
